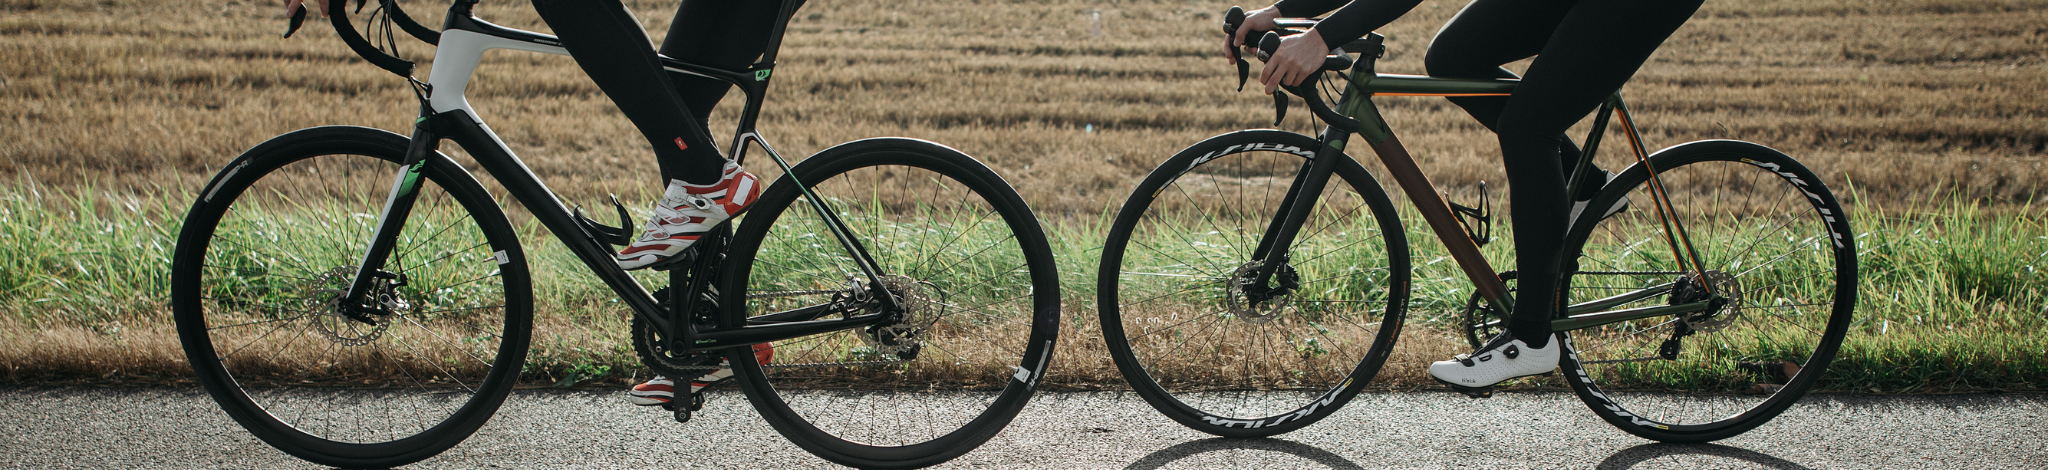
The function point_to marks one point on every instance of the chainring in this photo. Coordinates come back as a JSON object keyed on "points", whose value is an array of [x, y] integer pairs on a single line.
{"points": [[655, 353], [1480, 321]]}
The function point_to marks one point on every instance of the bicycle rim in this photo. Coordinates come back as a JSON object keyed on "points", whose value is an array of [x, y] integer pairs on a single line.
{"points": [[962, 254], [1773, 244], [1210, 351], [262, 259]]}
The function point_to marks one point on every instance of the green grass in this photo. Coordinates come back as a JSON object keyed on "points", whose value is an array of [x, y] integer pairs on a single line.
{"points": [[1952, 295]]}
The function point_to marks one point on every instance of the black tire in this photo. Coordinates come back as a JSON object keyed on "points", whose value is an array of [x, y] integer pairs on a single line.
{"points": [[1190, 344], [252, 278], [1774, 243], [955, 241]]}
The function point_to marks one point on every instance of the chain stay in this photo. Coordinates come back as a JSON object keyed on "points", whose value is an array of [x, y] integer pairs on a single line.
{"points": [[812, 365]]}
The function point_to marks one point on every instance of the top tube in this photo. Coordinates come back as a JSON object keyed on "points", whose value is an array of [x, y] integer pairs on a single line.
{"points": [[1389, 84]]}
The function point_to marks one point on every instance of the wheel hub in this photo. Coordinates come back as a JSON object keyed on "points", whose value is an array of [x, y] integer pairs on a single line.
{"points": [[323, 300], [1711, 286], [904, 335], [1256, 303]]}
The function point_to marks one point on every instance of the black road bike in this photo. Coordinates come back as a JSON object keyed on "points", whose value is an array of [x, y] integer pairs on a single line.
{"points": [[907, 294]]}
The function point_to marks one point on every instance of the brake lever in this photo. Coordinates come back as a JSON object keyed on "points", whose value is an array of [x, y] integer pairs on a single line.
{"points": [[1279, 107], [1233, 19], [1244, 70], [299, 19]]}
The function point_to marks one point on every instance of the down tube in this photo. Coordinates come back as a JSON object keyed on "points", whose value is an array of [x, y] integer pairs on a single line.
{"points": [[520, 181], [1437, 213]]}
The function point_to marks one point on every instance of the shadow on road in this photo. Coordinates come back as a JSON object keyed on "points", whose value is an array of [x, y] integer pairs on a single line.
{"points": [[1184, 450], [1633, 456]]}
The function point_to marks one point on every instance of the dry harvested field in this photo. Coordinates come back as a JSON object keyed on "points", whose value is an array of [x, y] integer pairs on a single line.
{"points": [[1910, 102], [1895, 96]]}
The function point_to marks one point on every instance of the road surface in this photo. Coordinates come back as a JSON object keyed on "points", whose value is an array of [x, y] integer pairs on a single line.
{"points": [[181, 428]]}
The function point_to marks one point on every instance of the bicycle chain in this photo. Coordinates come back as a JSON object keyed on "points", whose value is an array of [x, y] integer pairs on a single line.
{"points": [[812, 365], [1609, 361], [1629, 273]]}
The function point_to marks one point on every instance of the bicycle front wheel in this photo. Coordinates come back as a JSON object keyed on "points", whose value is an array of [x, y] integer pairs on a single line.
{"points": [[960, 253], [263, 258], [1189, 328], [1775, 262]]}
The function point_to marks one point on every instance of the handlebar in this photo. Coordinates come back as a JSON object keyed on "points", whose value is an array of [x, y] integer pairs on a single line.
{"points": [[337, 14], [1269, 42]]}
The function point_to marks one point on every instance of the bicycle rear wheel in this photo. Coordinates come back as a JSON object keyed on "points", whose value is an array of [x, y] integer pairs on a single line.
{"points": [[1773, 244], [1217, 355], [957, 248], [265, 253]]}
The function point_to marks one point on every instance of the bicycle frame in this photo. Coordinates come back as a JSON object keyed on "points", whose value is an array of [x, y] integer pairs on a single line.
{"points": [[1365, 119], [445, 113]]}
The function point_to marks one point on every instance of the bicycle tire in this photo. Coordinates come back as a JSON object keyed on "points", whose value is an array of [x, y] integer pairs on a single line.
{"points": [[956, 243], [256, 269], [1773, 242], [1196, 347]]}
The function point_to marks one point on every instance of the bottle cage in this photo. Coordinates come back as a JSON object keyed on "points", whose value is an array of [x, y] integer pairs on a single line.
{"points": [[1477, 221]]}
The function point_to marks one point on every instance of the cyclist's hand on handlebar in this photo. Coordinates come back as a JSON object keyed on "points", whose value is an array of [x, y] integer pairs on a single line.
{"points": [[291, 6], [1299, 56], [1260, 20]]}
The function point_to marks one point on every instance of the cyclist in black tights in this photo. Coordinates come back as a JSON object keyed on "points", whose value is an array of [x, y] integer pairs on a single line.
{"points": [[704, 189], [672, 112], [1585, 50], [607, 42]]}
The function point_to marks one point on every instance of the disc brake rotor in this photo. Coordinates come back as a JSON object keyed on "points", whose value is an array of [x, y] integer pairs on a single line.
{"points": [[921, 309], [1722, 285], [1242, 286], [322, 302]]}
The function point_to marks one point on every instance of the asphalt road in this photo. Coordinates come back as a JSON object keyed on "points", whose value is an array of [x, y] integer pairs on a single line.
{"points": [[181, 428]]}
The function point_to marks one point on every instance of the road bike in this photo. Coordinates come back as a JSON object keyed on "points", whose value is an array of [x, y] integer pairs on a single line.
{"points": [[1256, 281], [906, 294]]}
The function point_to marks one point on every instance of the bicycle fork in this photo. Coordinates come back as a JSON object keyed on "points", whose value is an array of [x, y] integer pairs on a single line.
{"points": [[1302, 194], [371, 278]]}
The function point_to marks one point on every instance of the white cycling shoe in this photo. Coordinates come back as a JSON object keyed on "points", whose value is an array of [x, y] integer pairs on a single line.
{"points": [[1501, 359]]}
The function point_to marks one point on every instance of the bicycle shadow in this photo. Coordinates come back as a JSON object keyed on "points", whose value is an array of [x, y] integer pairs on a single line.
{"points": [[1633, 456], [1184, 450]]}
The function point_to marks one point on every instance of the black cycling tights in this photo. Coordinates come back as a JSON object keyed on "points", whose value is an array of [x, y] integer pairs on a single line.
{"points": [[1585, 50], [670, 110]]}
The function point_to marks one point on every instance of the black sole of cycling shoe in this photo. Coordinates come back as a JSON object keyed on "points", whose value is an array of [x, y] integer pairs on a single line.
{"points": [[1480, 392], [1470, 392]]}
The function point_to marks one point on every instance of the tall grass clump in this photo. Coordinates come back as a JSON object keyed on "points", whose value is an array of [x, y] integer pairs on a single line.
{"points": [[83, 256], [1952, 300], [82, 271]]}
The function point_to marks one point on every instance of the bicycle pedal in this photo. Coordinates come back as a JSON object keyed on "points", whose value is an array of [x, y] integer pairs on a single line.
{"points": [[1474, 392], [682, 413]]}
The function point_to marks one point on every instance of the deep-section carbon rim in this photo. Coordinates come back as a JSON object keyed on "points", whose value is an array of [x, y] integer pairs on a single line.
{"points": [[1206, 346], [1775, 249]]}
